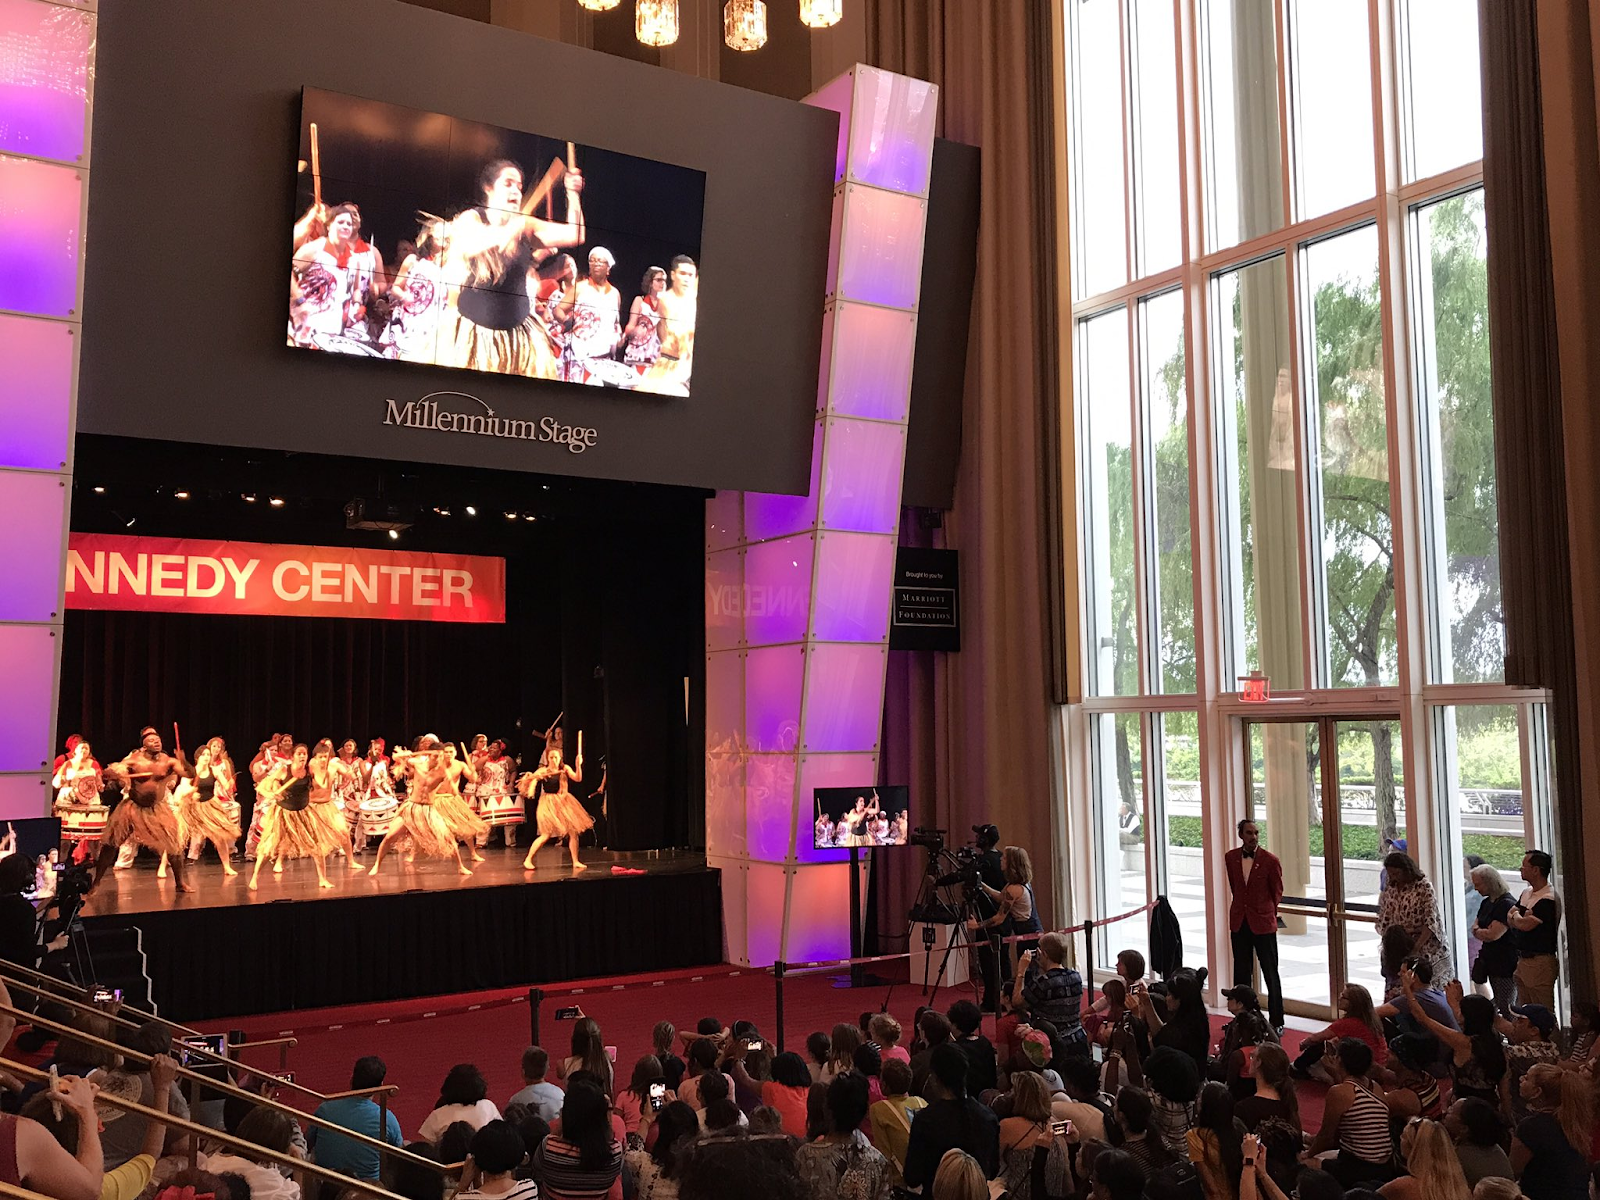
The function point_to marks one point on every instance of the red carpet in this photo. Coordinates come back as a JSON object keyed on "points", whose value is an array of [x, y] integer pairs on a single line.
{"points": [[422, 1039]]}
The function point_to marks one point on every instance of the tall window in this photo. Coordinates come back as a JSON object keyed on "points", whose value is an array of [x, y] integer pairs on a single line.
{"points": [[1282, 417]]}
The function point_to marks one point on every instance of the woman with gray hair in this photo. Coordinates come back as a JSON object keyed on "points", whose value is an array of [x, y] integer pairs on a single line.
{"points": [[1497, 958]]}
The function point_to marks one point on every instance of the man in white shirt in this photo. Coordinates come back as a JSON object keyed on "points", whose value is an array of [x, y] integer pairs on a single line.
{"points": [[595, 306]]}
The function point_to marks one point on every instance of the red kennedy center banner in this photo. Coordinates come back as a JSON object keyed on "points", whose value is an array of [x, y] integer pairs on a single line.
{"points": [[148, 574]]}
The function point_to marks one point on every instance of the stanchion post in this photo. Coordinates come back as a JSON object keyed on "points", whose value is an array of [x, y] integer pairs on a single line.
{"points": [[535, 999], [778, 969], [1088, 959]]}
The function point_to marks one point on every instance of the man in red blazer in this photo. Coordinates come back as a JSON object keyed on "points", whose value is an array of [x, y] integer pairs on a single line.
{"points": [[1255, 879]]}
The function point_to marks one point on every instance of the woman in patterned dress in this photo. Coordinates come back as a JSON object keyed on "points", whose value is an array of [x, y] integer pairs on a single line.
{"points": [[1408, 902], [498, 803], [347, 774], [78, 784], [560, 814]]}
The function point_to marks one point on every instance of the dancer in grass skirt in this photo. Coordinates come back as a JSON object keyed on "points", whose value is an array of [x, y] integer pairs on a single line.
{"points": [[560, 814]]}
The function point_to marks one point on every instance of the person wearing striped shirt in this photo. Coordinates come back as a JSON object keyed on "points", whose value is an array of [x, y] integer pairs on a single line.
{"points": [[1355, 1119], [584, 1160]]}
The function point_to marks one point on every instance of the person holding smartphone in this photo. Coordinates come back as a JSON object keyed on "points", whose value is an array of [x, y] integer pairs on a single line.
{"points": [[646, 1093]]}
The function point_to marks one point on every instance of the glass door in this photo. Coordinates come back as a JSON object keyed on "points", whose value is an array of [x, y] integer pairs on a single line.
{"points": [[1328, 798]]}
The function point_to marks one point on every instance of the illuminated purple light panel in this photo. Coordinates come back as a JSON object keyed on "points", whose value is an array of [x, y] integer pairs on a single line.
{"points": [[861, 475], [28, 665], [871, 359], [39, 252], [35, 393], [35, 518], [44, 77]]}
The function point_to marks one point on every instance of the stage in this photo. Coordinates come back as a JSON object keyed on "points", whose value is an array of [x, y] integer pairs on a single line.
{"points": [[414, 930]]}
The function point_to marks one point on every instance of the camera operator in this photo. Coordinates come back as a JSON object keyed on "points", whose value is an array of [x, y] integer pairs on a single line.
{"points": [[991, 879], [19, 933]]}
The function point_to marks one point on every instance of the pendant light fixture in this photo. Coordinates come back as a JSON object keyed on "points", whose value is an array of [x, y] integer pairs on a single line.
{"points": [[655, 22], [820, 14], [744, 24]]}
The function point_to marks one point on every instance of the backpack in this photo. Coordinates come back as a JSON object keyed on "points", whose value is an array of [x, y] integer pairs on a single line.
{"points": [[1178, 1181]]}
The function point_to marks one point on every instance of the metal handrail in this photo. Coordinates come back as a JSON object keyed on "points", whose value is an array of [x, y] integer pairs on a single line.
{"points": [[198, 1131], [228, 1089], [382, 1092]]}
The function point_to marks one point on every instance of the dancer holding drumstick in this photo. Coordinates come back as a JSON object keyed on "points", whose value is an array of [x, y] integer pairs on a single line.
{"points": [[492, 249], [560, 814]]}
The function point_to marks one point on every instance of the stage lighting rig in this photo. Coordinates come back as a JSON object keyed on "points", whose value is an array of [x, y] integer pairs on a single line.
{"points": [[377, 517]]}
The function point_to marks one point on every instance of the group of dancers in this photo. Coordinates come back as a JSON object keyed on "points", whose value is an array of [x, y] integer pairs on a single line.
{"points": [[865, 824], [492, 289], [314, 802]]}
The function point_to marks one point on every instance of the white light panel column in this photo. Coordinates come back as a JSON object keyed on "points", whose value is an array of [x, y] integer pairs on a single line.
{"points": [[46, 84], [798, 587]]}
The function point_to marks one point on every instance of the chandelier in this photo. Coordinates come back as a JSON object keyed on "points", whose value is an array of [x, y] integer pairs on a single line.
{"points": [[599, 5], [744, 24], [820, 14], [655, 22]]}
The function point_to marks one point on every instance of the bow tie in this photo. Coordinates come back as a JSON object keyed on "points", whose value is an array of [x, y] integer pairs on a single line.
{"points": [[1248, 853]]}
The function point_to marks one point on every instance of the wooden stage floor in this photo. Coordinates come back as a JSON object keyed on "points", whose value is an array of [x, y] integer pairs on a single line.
{"points": [[138, 890]]}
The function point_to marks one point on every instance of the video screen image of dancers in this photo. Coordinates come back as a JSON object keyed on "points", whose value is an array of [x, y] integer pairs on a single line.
{"points": [[428, 239], [846, 817]]}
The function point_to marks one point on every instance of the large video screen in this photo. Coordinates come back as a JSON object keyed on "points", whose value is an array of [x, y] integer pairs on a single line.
{"points": [[429, 239], [864, 817]]}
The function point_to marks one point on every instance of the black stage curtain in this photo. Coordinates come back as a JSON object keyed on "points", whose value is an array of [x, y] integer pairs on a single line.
{"points": [[261, 958], [606, 625]]}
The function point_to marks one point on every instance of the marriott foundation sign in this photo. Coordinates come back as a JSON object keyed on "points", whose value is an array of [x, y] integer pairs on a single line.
{"points": [[147, 574]]}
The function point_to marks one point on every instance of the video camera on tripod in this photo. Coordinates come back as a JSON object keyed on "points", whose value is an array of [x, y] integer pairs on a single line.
{"points": [[947, 870]]}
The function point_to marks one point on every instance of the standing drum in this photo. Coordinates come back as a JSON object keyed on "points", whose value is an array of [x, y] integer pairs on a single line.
{"points": [[82, 823], [377, 816]]}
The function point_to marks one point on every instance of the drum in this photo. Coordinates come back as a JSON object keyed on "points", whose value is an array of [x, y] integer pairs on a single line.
{"points": [[340, 344], [377, 817], [503, 810], [82, 823], [606, 372]]}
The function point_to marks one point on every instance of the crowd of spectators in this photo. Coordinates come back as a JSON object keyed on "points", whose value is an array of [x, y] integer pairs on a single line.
{"points": [[1428, 1094]]}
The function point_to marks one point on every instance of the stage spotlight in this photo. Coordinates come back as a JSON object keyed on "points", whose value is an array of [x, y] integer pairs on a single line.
{"points": [[275, 501], [529, 517], [248, 497], [99, 491], [180, 495], [471, 512], [511, 516], [394, 535]]}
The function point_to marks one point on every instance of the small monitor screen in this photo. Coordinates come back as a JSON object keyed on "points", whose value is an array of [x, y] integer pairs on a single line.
{"points": [[864, 817], [428, 239]]}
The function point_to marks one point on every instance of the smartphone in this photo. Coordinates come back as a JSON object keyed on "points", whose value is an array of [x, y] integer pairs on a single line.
{"points": [[1061, 1128], [287, 1077], [755, 1045], [658, 1095], [571, 1013], [216, 1043], [104, 995]]}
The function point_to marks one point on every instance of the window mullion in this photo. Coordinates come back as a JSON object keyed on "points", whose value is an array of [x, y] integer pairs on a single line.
{"points": [[1303, 398]]}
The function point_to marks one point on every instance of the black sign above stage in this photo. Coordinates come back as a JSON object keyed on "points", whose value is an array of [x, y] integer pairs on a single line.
{"points": [[927, 600]]}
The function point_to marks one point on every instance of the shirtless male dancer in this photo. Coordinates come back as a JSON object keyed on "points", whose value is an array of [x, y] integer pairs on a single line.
{"points": [[147, 773]]}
